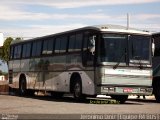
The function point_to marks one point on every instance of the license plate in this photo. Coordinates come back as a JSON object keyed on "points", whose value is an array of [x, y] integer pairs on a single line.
{"points": [[128, 90]]}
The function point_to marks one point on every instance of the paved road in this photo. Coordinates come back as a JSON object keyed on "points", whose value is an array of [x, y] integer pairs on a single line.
{"points": [[67, 105], [148, 109]]}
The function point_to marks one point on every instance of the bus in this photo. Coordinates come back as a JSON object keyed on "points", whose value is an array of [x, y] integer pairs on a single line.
{"points": [[107, 60], [156, 66]]}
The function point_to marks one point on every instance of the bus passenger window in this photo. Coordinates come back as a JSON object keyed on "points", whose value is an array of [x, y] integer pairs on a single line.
{"points": [[36, 49], [26, 50], [11, 52], [78, 44], [17, 52], [57, 45], [50, 47], [63, 45], [45, 44], [71, 43], [47, 47]]}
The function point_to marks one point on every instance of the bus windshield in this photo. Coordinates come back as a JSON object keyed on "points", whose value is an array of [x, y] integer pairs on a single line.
{"points": [[123, 48], [139, 47], [113, 48]]}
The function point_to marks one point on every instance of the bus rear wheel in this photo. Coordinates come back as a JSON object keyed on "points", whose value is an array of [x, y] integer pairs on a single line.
{"points": [[156, 89], [77, 90], [120, 98], [22, 86]]}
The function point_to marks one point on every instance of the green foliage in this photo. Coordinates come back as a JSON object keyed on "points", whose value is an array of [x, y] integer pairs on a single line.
{"points": [[18, 39], [4, 51]]}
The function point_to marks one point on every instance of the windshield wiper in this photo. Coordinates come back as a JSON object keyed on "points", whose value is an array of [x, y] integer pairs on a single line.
{"points": [[116, 65]]}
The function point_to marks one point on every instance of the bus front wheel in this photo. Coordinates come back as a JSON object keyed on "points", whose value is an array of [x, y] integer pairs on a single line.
{"points": [[120, 98], [77, 90]]}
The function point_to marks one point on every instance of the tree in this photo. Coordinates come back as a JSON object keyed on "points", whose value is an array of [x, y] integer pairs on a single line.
{"points": [[18, 39], [4, 51]]}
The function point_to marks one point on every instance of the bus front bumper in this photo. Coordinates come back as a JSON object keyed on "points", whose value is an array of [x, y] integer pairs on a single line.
{"points": [[127, 90]]}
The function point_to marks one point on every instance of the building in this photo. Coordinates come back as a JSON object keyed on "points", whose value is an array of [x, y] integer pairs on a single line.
{"points": [[3, 78]]}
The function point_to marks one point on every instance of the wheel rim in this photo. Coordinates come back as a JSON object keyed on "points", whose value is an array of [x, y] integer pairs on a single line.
{"points": [[77, 90]]}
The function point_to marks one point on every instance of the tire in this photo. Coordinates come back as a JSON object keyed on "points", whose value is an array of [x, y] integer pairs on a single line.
{"points": [[22, 87], [156, 89], [120, 98], [77, 90]]}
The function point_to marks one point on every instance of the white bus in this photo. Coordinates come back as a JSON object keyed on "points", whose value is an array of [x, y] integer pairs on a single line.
{"points": [[96, 60]]}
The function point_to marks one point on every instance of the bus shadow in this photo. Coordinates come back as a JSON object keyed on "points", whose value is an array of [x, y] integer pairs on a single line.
{"points": [[89, 100], [96, 101], [143, 100], [61, 99]]}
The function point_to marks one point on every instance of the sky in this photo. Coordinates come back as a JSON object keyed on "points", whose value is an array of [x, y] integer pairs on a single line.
{"points": [[35, 18]]}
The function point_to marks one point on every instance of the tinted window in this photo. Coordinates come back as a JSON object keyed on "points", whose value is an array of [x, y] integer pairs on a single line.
{"points": [[85, 42], [113, 48], [47, 47], [36, 48], [11, 52], [38, 51], [57, 45], [50, 47], [63, 45], [139, 47], [78, 44], [17, 52], [71, 43], [26, 50], [45, 44]]}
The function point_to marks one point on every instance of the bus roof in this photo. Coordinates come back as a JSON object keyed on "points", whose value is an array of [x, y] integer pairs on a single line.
{"points": [[101, 28]]}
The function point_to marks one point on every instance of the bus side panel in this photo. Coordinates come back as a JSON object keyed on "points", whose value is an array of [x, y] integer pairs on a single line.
{"points": [[38, 75], [88, 85], [60, 80], [74, 65], [16, 73], [49, 74], [25, 70]]}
